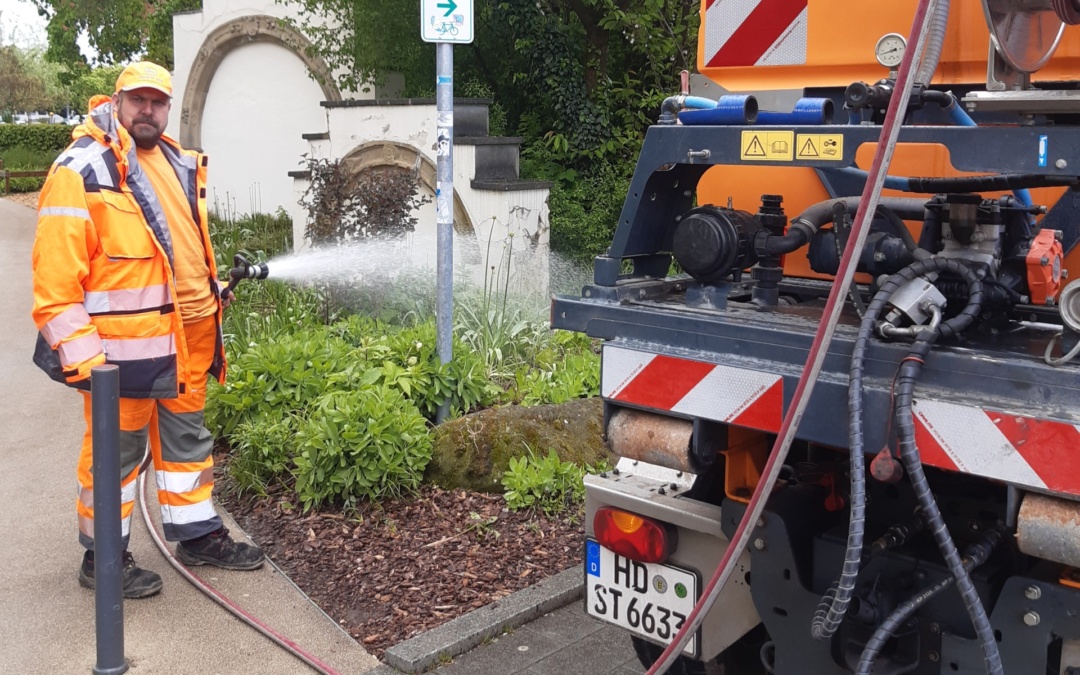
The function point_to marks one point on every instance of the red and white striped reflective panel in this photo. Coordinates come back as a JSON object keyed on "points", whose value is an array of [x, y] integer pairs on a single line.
{"points": [[745, 398], [755, 32], [1023, 450]]}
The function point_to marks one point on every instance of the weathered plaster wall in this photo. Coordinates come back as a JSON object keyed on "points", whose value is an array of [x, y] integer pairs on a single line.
{"points": [[243, 93]]}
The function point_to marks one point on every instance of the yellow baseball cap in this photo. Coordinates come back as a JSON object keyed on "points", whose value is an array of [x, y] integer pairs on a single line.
{"points": [[144, 74]]}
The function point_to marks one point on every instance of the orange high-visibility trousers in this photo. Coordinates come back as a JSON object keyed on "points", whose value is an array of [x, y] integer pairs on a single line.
{"points": [[180, 447]]}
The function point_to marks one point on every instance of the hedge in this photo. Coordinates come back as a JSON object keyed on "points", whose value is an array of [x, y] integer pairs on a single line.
{"points": [[37, 137]]}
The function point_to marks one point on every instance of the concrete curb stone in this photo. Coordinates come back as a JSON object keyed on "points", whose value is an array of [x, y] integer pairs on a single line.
{"points": [[458, 636]]}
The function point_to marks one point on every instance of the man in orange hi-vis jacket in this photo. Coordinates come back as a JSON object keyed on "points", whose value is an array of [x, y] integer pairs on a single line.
{"points": [[124, 274]]}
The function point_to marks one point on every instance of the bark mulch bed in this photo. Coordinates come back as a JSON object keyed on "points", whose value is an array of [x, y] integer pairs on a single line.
{"points": [[396, 569]]}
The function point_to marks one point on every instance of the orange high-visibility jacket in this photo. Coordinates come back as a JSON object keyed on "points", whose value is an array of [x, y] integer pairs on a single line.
{"points": [[103, 264]]}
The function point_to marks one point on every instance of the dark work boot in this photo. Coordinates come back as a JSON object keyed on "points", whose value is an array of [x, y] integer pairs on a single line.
{"points": [[218, 548], [138, 583]]}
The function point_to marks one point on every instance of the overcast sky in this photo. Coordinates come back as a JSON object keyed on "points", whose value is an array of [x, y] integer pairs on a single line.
{"points": [[20, 24]]}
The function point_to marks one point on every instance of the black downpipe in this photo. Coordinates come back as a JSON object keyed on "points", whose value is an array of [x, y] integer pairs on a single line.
{"points": [[907, 208], [895, 210]]}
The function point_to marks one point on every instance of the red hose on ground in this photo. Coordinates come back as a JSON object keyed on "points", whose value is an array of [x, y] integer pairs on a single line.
{"points": [[871, 195], [215, 595]]}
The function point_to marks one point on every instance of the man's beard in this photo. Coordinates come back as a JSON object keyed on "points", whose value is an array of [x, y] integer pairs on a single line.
{"points": [[145, 133]]}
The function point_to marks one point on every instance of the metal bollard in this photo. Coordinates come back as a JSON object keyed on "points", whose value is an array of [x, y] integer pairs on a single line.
{"points": [[108, 534]]}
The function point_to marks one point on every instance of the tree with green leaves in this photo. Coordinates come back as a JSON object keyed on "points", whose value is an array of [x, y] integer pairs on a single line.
{"points": [[19, 88], [585, 76], [118, 30], [28, 82]]}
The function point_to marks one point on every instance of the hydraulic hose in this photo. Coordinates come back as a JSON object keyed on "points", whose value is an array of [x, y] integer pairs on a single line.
{"points": [[1018, 183], [909, 371], [834, 605], [218, 597], [797, 236], [883, 153], [811, 220], [974, 555]]}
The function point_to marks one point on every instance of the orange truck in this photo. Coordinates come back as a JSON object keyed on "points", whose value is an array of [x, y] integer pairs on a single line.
{"points": [[838, 338]]}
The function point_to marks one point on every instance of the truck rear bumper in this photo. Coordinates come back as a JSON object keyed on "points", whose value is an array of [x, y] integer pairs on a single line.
{"points": [[659, 493]]}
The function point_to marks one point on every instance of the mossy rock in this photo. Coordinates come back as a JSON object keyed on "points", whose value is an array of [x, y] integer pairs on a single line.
{"points": [[474, 451]]}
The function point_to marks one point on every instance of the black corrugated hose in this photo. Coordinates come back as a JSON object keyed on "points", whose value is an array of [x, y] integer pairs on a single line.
{"points": [[834, 604], [974, 555], [910, 368]]}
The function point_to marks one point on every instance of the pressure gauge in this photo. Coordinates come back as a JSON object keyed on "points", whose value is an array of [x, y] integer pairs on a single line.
{"points": [[890, 50]]}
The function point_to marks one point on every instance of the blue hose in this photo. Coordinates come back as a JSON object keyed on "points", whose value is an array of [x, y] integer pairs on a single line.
{"points": [[699, 103], [734, 109], [807, 111], [891, 182]]}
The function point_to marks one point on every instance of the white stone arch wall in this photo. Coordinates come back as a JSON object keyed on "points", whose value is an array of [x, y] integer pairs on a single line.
{"points": [[375, 154], [232, 35], [246, 89]]}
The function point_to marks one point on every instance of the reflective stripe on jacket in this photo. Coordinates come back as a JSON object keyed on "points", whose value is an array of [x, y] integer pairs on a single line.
{"points": [[102, 260]]}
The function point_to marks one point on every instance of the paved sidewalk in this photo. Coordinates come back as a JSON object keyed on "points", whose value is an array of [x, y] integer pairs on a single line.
{"points": [[564, 641], [46, 619]]}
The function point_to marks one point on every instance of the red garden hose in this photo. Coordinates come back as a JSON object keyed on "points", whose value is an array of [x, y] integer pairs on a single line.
{"points": [[215, 595]]}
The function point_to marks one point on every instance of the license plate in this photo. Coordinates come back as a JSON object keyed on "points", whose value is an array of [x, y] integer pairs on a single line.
{"points": [[650, 600]]}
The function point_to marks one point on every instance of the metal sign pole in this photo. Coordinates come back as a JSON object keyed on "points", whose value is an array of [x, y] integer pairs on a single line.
{"points": [[445, 22], [444, 205]]}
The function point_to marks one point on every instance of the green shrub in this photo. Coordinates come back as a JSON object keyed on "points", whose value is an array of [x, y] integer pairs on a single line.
{"points": [[45, 138], [566, 366], [407, 359], [265, 310], [577, 376], [366, 443], [546, 483], [502, 331], [585, 212], [21, 158], [262, 450], [285, 374]]}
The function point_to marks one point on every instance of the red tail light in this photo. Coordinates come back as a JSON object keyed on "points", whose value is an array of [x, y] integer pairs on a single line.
{"points": [[633, 536]]}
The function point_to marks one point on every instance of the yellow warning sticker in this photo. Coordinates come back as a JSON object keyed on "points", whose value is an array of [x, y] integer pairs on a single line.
{"points": [[820, 146], [774, 146]]}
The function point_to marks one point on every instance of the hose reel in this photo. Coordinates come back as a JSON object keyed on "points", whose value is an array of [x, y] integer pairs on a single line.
{"points": [[1025, 33]]}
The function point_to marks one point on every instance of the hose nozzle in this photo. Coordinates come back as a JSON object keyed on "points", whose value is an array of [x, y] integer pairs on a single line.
{"points": [[244, 269]]}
